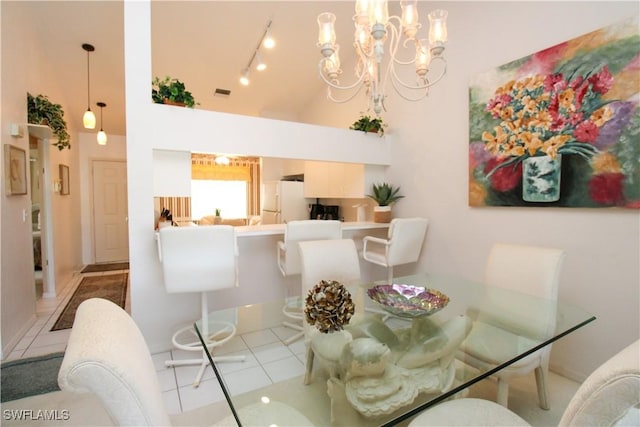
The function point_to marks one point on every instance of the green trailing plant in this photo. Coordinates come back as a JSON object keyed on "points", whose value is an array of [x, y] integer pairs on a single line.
{"points": [[385, 194], [172, 90], [368, 124], [41, 111]]}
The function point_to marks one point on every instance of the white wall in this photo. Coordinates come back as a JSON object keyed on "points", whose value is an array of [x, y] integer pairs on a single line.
{"points": [[429, 161], [23, 70]]}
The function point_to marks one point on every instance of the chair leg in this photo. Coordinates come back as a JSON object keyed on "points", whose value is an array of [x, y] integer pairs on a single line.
{"points": [[203, 366], [541, 383], [294, 338], [309, 367], [503, 393]]}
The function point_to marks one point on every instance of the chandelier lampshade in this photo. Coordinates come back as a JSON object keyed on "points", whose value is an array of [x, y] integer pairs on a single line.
{"points": [[377, 64]]}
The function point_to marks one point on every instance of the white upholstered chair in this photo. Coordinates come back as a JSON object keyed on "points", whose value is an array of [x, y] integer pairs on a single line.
{"points": [[107, 355], [610, 396], [289, 260], [526, 269], [402, 245], [327, 260], [200, 259]]}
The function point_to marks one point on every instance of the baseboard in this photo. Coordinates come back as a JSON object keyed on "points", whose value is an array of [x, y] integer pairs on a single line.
{"points": [[568, 373]]}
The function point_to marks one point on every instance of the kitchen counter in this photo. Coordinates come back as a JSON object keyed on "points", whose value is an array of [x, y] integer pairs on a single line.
{"points": [[277, 229]]}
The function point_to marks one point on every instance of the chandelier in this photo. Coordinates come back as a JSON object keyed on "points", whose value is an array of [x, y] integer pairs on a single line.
{"points": [[373, 27]]}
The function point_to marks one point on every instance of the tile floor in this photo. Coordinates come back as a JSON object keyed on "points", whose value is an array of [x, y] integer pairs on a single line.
{"points": [[267, 358]]}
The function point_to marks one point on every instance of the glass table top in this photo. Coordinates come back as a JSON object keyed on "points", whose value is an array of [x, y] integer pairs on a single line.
{"points": [[382, 372]]}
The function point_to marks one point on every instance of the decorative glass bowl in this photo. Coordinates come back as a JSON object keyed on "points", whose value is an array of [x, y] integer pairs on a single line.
{"points": [[408, 300]]}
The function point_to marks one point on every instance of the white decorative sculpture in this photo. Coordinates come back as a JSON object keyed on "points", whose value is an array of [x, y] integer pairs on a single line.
{"points": [[381, 370]]}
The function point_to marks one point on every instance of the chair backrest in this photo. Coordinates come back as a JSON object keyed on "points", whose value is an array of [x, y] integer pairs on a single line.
{"points": [[610, 394], [530, 269], [304, 230], [328, 260], [107, 355], [198, 259], [406, 236]]}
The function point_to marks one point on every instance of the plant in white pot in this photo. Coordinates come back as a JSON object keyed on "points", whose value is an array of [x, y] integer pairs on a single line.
{"points": [[384, 195]]}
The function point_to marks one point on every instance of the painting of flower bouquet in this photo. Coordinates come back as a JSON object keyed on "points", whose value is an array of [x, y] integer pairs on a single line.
{"points": [[560, 127]]}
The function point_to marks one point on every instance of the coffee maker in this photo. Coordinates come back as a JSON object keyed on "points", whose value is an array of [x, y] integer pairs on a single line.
{"points": [[316, 210]]}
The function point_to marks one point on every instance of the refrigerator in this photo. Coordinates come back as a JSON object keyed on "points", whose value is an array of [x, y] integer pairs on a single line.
{"points": [[283, 201]]}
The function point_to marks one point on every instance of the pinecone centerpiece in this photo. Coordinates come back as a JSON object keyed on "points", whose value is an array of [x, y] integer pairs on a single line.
{"points": [[328, 306]]}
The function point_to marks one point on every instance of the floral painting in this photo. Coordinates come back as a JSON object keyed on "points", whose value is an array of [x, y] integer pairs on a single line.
{"points": [[560, 127]]}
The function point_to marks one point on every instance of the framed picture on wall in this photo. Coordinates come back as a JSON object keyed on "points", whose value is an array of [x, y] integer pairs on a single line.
{"points": [[64, 179], [15, 170]]}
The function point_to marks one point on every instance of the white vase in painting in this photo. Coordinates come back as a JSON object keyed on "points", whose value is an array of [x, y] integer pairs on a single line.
{"points": [[541, 178]]}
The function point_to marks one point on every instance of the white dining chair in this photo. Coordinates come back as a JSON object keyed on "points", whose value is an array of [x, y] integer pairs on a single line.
{"points": [[610, 396], [531, 270], [327, 260], [200, 259], [289, 261], [402, 246], [107, 355]]}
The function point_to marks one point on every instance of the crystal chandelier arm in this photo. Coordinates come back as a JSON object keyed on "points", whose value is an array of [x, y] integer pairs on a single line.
{"points": [[341, 101], [334, 85], [423, 86]]}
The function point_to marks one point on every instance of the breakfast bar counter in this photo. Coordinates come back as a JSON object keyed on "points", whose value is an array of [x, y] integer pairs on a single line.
{"points": [[278, 229]]}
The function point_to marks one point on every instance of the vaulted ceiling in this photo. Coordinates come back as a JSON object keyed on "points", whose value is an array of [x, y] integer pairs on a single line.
{"points": [[205, 44]]}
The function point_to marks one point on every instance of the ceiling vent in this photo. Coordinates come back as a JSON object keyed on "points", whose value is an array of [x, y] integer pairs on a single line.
{"points": [[222, 93]]}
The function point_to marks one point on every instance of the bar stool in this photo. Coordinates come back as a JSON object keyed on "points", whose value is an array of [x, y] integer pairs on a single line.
{"points": [[402, 246], [200, 259], [289, 261]]}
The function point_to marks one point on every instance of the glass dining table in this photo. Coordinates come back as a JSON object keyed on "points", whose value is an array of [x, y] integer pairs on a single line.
{"points": [[412, 362]]}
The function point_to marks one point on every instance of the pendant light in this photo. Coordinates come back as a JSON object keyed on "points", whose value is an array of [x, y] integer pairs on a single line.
{"points": [[89, 119], [102, 136]]}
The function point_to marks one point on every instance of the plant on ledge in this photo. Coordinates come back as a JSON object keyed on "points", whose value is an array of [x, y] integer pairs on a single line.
{"points": [[368, 124], [171, 91], [41, 111]]}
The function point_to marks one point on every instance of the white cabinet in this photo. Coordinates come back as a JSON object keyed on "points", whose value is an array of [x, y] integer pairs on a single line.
{"points": [[340, 180]]}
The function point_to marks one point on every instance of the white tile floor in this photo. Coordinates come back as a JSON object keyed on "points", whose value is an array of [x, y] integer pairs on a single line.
{"points": [[267, 358]]}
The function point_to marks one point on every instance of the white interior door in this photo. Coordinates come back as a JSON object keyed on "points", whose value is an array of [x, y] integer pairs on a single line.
{"points": [[111, 236]]}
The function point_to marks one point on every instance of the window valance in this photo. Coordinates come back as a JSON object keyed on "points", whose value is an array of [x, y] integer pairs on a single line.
{"points": [[204, 166]]}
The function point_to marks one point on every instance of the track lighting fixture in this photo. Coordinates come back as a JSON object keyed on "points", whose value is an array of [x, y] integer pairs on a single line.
{"points": [[266, 41]]}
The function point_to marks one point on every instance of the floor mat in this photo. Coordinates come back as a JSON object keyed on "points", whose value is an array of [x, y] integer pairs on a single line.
{"points": [[29, 377], [112, 287], [95, 268]]}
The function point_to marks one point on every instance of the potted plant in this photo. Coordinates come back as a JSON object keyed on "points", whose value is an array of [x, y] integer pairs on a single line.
{"points": [[41, 111], [172, 92], [384, 195], [368, 124], [217, 219]]}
